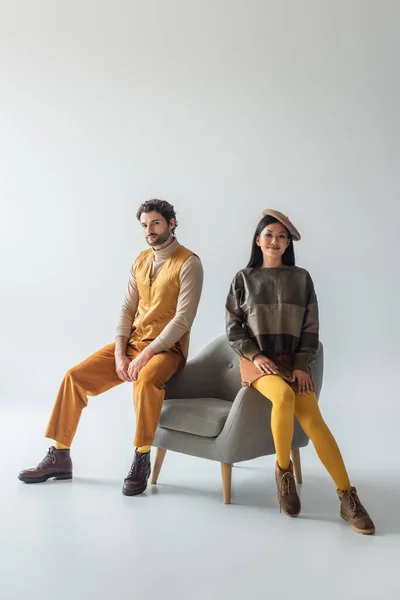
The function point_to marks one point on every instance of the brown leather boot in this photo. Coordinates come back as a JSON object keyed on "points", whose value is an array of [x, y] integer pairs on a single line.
{"points": [[136, 481], [353, 511], [56, 463], [288, 499]]}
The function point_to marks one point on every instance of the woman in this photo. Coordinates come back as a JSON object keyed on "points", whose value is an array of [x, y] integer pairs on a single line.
{"points": [[272, 323]]}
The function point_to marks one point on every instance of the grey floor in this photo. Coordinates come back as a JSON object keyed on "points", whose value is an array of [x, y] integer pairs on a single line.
{"points": [[83, 539]]}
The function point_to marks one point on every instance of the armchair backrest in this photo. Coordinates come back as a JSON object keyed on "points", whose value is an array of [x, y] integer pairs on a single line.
{"points": [[214, 372]]}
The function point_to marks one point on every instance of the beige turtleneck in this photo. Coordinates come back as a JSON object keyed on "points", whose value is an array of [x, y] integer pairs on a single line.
{"points": [[191, 278]]}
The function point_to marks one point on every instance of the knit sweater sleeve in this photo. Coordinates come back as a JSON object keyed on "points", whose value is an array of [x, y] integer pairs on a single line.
{"points": [[309, 338], [236, 330], [129, 307]]}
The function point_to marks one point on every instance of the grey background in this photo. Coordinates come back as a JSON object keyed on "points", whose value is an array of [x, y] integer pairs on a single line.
{"points": [[222, 108]]}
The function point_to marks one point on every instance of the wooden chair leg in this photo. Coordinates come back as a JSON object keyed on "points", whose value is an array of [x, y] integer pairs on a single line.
{"points": [[226, 470], [160, 455], [297, 464]]}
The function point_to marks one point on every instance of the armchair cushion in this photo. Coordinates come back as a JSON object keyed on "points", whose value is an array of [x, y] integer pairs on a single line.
{"points": [[199, 416]]}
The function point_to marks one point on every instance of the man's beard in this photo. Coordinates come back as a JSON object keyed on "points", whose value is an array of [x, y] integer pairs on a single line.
{"points": [[158, 240]]}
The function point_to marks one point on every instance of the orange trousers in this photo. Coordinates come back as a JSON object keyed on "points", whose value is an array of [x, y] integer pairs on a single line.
{"points": [[96, 375]]}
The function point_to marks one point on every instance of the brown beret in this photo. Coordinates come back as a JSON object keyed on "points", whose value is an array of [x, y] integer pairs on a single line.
{"points": [[284, 220]]}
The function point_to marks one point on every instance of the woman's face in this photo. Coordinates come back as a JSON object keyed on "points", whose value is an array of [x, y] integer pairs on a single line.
{"points": [[273, 240]]}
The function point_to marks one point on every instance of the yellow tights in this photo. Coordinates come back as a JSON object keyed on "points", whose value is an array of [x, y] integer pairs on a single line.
{"points": [[285, 404]]}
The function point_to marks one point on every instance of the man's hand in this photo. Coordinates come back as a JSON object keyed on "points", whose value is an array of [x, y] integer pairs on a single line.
{"points": [[265, 365], [122, 363], [139, 362], [304, 382]]}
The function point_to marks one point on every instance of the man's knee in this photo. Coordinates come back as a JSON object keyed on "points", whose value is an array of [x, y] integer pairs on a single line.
{"points": [[70, 374], [74, 376], [149, 378], [156, 374]]}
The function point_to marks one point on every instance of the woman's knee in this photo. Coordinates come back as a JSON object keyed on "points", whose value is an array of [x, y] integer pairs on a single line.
{"points": [[276, 390], [310, 420], [284, 399]]}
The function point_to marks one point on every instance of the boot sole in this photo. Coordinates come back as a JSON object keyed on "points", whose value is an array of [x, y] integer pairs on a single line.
{"points": [[356, 529], [288, 514], [59, 477], [135, 492]]}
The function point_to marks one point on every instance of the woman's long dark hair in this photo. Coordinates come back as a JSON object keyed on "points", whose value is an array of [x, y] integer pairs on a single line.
{"points": [[256, 258]]}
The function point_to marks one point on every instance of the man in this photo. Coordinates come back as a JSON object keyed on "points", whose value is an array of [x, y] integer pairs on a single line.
{"points": [[152, 342]]}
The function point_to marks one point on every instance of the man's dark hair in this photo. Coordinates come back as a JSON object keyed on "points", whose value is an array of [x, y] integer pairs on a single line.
{"points": [[161, 206]]}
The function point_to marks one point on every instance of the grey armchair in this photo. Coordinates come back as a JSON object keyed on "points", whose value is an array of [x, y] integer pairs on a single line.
{"points": [[207, 413]]}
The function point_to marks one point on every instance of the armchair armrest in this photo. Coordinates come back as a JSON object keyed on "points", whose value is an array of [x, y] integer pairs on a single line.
{"points": [[246, 433], [317, 369]]}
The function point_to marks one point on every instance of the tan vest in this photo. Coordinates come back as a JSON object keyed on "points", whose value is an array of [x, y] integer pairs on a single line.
{"points": [[158, 297]]}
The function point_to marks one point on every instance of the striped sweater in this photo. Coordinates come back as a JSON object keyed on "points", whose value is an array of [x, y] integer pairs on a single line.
{"points": [[273, 311]]}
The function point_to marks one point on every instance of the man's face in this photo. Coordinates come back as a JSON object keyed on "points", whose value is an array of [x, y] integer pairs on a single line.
{"points": [[155, 228]]}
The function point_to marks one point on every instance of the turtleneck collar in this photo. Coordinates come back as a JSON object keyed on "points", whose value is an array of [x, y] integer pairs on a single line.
{"points": [[164, 253]]}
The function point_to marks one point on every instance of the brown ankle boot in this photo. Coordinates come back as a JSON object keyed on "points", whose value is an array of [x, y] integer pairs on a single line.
{"points": [[136, 481], [352, 510], [288, 499], [56, 463]]}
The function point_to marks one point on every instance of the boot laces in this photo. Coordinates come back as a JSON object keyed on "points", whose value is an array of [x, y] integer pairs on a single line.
{"points": [[355, 504], [138, 467], [288, 486], [49, 458]]}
